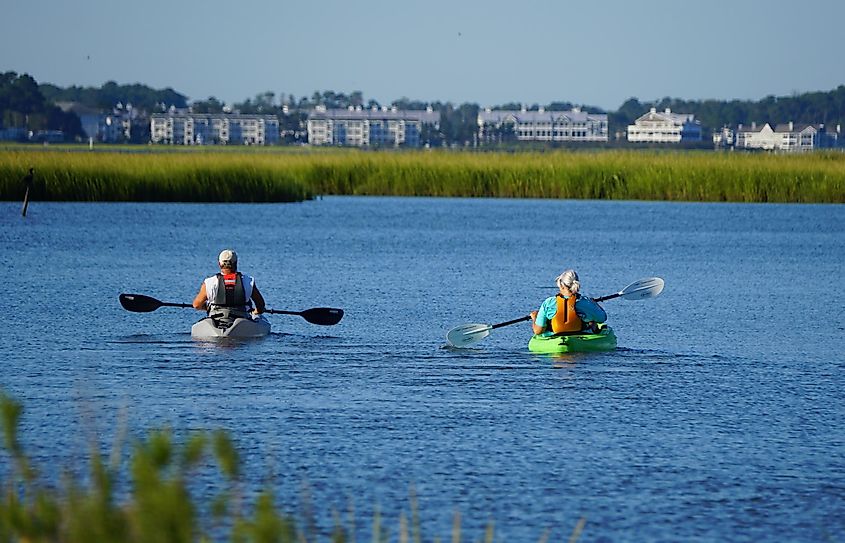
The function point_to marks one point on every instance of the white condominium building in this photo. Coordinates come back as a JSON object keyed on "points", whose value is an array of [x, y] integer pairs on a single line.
{"points": [[360, 127], [182, 128], [664, 127], [549, 126], [789, 137]]}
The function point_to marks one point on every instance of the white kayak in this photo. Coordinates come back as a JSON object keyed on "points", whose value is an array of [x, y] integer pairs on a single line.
{"points": [[240, 328]]}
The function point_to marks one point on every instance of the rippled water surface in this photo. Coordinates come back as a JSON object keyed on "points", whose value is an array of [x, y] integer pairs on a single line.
{"points": [[719, 417]]}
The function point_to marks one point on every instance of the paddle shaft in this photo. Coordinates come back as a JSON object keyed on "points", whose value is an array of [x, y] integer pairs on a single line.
{"points": [[608, 297], [282, 312], [508, 323]]}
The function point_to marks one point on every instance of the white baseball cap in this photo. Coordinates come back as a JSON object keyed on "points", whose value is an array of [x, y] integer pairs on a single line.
{"points": [[227, 256]]}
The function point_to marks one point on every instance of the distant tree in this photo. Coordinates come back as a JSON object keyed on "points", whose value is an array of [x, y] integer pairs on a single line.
{"points": [[22, 105], [408, 104], [211, 105], [20, 94], [459, 125], [293, 126], [142, 97], [510, 106], [431, 136], [627, 113], [67, 122], [262, 104]]}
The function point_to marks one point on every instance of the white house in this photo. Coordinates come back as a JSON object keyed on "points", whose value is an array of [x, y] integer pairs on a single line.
{"points": [[788, 137], [547, 126], [185, 128], [664, 127], [360, 127]]}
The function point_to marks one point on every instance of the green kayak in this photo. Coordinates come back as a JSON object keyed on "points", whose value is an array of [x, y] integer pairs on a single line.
{"points": [[603, 340]]}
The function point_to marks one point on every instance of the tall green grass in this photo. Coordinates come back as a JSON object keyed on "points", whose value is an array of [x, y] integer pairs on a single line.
{"points": [[162, 505], [150, 177], [264, 175], [615, 175]]}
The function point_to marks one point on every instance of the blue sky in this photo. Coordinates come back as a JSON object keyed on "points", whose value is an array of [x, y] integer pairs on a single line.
{"points": [[598, 52]]}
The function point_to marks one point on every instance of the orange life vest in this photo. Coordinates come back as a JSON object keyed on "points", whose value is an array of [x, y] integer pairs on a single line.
{"points": [[565, 319]]}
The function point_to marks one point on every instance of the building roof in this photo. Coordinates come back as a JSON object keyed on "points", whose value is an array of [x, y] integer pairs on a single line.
{"points": [[373, 114], [575, 116], [209, 116], [667, 115], [782, 128], [797, 128]]}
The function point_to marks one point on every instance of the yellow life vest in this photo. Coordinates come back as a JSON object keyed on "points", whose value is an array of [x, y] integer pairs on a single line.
{"points": [[565, 319]]}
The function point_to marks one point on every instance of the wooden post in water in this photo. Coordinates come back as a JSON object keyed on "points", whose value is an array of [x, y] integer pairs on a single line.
{"points": [[28, 181]]}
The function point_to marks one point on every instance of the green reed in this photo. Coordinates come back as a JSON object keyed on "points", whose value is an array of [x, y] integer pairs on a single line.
{"points": [[161, 503], [150, 177], [285, 174], [617, 175]]}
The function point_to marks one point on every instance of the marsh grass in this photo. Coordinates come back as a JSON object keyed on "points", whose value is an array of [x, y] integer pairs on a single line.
{"points": [[150, 177], [614, 175], [265, 175], [162, 504]]}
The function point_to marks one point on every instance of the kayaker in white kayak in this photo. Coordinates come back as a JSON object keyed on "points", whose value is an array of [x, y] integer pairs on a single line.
{"points": [[567, 311], [229, 294]]}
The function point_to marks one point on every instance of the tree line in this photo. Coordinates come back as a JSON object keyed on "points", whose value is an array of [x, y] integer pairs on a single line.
{"points": [[22, 105], [26, 104]]}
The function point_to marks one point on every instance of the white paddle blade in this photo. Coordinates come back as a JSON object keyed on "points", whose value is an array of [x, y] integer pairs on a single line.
{"points": [[642, 289], [467, 334]]}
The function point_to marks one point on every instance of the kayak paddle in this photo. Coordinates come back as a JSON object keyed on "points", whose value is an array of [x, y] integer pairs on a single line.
{"points": [[325, 316], [638, 290], [140, 303], [144, 304], [467, 334]]}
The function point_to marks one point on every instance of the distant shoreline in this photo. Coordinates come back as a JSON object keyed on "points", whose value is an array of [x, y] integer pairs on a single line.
{"points": [[155, 174]]}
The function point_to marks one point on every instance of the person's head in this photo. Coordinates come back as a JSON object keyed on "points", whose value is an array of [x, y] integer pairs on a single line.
{"points": [[228, 260], [568, 282]]}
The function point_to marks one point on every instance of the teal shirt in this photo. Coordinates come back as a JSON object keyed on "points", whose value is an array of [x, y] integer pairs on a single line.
{"points": [[586, 309]]}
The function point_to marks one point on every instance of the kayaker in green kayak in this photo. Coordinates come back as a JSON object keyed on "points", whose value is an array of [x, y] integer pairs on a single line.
{"points": [[567, 311]]}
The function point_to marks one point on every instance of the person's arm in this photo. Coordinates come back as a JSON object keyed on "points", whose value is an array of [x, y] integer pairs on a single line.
{"points": [[541, 315], [202, 299], [260, 306], [589, 311], [537, 329]]}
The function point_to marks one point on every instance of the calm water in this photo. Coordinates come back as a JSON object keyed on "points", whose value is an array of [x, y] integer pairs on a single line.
{"points": [[720, 416]]}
